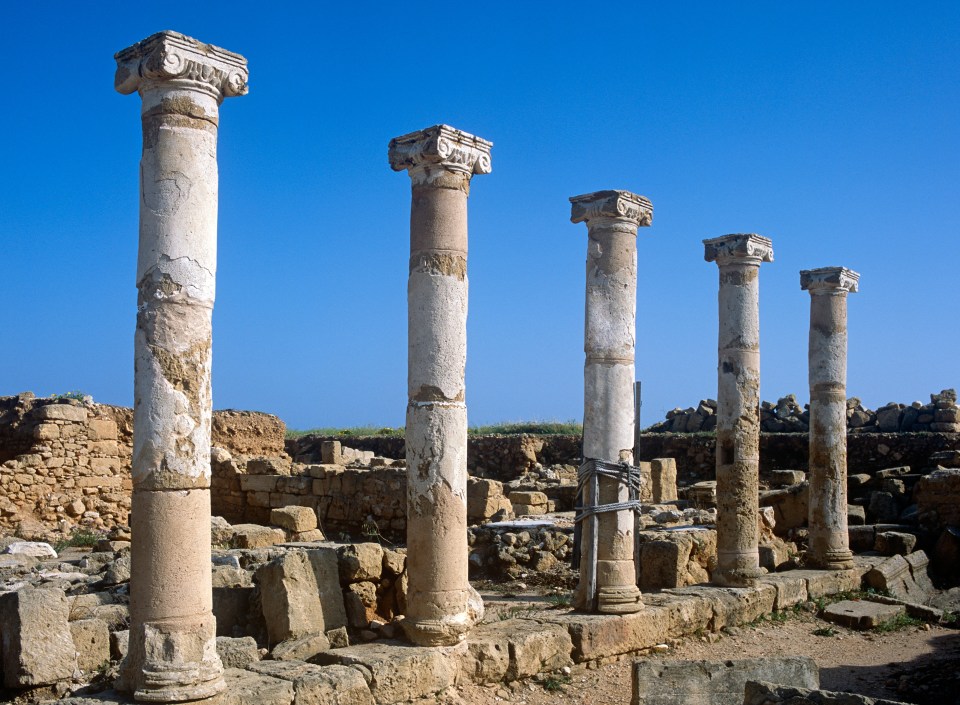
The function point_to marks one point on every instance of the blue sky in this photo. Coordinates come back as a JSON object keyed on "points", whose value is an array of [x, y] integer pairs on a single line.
{"points": [[832, 128]]}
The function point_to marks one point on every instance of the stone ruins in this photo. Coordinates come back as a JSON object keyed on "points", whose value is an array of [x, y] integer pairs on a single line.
{"points": [[204, 556]]}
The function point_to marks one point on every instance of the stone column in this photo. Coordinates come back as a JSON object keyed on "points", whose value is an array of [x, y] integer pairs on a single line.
{"points": [[441, 605], [829, 541], [172, 655], [612, 219], [738, 405]]}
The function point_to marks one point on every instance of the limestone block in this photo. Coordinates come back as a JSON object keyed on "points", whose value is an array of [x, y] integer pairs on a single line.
{"points": [[785, 478], [91, 639], [394, 562], [37, 645], [530, 499], [663, 562], [237, 653], [791, 506], [658, 682], [294, 518], [535, 648], [231, 607], [703, 494], [61, 412], [331, 453], [311, 536], [360, 561], [259, 483], [939, 492], [856, 515], [663, 478], [895, 577], [861, 614], [46, 432], [320, 685], [290, 597], [764, 693], [646, 480], [102, 430], [889, 543], [398, 673], [600, 636], [116, 616], [487, 657], [862, 538], [244, 687], [119, 644], [220, 531], [883, 507], [484, 499], [301, 648], [360, 601], [826, 582], [919, 568], [256, 536], [790, 590]]}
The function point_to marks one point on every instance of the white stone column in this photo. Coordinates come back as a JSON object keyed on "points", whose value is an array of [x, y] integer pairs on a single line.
{"points": [[829, 540], [441, 604], [612, 219], [738, 405], [172, 655]]}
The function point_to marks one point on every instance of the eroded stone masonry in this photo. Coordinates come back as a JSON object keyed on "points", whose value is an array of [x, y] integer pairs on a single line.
{"points": [[202, 556]]}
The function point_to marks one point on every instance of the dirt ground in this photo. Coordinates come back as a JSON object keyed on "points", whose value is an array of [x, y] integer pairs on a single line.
{"points": [[914, 664]]}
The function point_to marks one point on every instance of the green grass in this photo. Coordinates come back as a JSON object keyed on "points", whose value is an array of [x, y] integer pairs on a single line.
{"points": [[82, 538], [534, 428], [825, 631], [555, 683], [901, 621], [559, 602]]}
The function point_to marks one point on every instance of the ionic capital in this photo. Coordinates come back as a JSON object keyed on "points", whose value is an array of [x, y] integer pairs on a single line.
{"points": [[629, 208], [183, 62], [829, 279], [428, 154], [740, 248]]}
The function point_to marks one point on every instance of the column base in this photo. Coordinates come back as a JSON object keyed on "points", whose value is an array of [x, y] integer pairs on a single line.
{"points": [[833, 560], [445, 630], [737, 577], [621, 599]]}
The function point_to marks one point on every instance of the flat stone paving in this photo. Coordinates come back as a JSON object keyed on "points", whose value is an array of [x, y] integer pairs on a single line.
{"points": [[536, 641]]}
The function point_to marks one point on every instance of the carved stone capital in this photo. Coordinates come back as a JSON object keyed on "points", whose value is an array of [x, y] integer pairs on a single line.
{"points": [[829, 279], [740, 248], [182, 61], [431, 152], [619, 205]]}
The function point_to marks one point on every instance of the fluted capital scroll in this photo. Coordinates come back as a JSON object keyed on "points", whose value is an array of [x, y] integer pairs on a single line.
{"points": [[176, 58], [739, 248], [621, 205], [829, 279]]}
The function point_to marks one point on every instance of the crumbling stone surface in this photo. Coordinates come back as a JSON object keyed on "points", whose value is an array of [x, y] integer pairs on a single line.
{"points": [[658, 682], [938, 497], [249, 432]]}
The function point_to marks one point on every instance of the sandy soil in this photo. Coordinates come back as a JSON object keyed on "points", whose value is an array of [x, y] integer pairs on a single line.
{"points": [[916, 665]]}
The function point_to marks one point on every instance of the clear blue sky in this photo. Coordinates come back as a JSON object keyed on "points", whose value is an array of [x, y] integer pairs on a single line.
{"points": [[832, 128]]}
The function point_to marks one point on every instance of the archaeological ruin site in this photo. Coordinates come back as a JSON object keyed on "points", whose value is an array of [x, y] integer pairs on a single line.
{"points": [[172, 553]]}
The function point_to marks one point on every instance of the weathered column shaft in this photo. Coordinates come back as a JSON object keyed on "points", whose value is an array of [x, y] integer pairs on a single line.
{"points": [[738, 405], [172, 653], [441, 605], [612, 219], [829, 540]]}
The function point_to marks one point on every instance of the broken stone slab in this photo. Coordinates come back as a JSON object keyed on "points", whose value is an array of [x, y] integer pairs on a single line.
{"points": [[399, 672], [894, 577], [319, 685], [914, 609], [785, 478], [245, 687], [791, 590], [891, 543], [821, 583], [764, 693], [34, 549], [659, 682], [237, 653], [663, 480], [44, 652], [302, 648], [861, 614], [294, 518]]}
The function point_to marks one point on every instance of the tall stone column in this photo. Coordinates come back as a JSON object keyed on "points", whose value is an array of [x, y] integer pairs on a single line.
{"points": [[441, 605], [738, 405], [612, 219], [172, 655], [829, 540]]}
